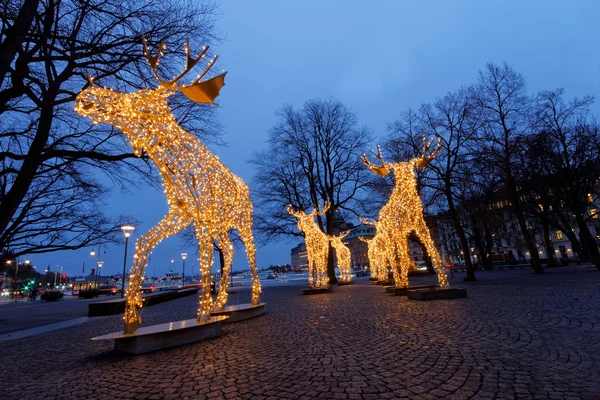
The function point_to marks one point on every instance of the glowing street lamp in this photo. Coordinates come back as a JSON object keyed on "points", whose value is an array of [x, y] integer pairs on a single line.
{"points": [[99, 264], [183, 257], [127, 231]]}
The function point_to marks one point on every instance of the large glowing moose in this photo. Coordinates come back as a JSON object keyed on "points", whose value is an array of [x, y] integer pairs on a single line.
{"points": [[199, 188], [317, 246], [403, 213]]}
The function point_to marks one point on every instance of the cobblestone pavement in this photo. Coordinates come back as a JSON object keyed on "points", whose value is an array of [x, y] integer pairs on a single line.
{"points": [[517, 336]]}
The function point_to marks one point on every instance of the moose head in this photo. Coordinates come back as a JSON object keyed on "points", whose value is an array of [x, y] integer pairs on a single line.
{"points": [[147, 110], [306, 222], [420, 162]]}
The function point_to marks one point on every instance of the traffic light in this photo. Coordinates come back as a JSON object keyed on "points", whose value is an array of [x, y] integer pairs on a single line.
{"points": [[64, 276]]}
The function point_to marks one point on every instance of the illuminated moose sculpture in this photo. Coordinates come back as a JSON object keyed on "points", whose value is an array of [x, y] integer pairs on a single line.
{"points": [[199, 188], [403, 213], [343, 255], [377, 251], [317, 246]]}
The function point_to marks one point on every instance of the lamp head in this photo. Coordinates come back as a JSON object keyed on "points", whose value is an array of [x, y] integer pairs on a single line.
{"points": [[127, 230], [184, 255]]}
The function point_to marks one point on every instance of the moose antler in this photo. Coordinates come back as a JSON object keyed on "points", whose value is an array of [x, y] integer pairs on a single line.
{"points": [[363, 239], [199, 92], [326, 207], [290, 209], [365, 221], [378, 169], [340, 235], [425, 159]]}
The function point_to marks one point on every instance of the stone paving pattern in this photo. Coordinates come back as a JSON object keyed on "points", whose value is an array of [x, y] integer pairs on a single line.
{"points": [[517, 336]]}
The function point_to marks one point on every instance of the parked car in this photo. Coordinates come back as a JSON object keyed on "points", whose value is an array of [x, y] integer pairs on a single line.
{"points": [[52, 295], [148, 287], [108, 290]]}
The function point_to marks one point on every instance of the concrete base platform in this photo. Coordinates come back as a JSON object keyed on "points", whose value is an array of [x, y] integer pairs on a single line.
{"points": [[162, 336], [373, 279], [437, 294], [403, 291], [385, 283], [240, 312], [316, 291], [346, 283]]}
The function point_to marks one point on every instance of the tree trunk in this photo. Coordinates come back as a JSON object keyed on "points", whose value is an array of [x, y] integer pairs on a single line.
{"points": [[460, 232], [477, 238], [588, 240], [18, 191], [15, 35], [221, 260], [489, 242], [548, 243], [330, 264], [576, 244], [535, 257]]}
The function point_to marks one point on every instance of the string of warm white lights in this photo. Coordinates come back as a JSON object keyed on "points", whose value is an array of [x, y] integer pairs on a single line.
{"points": [[199, 188], [344, 257], [403, 214], [373, 264], [317, 246], [377, 252]]}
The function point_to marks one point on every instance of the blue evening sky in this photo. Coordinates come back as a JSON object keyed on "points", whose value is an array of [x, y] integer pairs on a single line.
{"points": [[377, 57]]}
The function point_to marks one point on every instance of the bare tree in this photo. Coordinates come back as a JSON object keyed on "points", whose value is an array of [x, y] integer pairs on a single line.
{"points": [[52, 159], [575, 146], [506, 110], [312, 157], [479, 203]]}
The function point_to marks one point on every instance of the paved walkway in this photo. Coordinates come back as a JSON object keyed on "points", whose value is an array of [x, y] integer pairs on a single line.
{"points": [[517, 336]]}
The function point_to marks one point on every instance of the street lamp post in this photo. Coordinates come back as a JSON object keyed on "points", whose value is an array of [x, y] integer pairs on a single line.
{"points": [[8, 262], [127, 231], [100, 264], [183, 257]]}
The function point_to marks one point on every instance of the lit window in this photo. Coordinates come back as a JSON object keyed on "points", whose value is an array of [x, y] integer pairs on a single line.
{"points": [[559, 235], [590, 198], [594, 213]]}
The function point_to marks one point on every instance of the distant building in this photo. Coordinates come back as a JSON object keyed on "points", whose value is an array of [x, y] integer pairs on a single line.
{"points": [[299, 257], [506, 240], [358, 248]]}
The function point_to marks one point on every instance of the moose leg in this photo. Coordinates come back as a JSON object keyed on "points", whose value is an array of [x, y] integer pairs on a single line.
{"points": [[425, 237], [393, 260], [227, 250], [246, 232], [403, 261], [206, 259], [311, 269], [170, 225], [322, 279]]}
